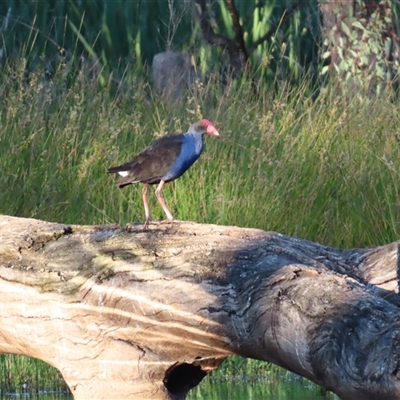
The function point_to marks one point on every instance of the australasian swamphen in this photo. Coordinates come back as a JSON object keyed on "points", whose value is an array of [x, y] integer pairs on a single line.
{"points": [[164, 160]]}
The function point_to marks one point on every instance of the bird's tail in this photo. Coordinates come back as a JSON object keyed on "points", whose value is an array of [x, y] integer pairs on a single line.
{"points": [[114, 170], [123, 180]]}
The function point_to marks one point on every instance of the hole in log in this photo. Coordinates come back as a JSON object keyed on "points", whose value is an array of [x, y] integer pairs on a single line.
{"points": [[180, 378]]}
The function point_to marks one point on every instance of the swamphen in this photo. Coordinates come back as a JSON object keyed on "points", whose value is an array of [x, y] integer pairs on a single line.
{"points": [[164, 160]]}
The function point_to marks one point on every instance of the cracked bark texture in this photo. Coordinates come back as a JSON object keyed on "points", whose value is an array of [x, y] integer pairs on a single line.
{"points": [[126, 313]]}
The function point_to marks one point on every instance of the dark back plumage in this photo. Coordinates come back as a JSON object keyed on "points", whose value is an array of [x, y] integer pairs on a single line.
{"points": [[151, 164]]}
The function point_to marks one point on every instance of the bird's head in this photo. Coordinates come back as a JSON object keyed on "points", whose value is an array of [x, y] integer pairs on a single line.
{"points": [[204, 126]]}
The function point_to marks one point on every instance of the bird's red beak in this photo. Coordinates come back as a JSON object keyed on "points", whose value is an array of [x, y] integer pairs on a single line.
{"points": [[212, 130]]}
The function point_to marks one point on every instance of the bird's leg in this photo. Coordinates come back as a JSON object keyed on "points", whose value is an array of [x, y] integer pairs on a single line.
{"points": [[146, 205], [162, 202]]}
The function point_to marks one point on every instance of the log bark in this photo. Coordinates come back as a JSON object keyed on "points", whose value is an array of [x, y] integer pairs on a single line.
{"points": [[126, 313]]}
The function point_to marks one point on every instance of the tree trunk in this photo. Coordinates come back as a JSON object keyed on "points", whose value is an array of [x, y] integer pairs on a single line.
{"points": [[127, 313]]}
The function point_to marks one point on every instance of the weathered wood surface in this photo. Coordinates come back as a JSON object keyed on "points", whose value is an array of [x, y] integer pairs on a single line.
{"points": [[127, 313]]}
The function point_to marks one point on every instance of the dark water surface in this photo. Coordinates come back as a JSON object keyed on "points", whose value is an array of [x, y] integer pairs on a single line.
{"points": [[295, 388], [41, 395]]}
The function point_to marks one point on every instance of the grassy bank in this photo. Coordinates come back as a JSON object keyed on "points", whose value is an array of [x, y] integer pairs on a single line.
{"points": [[321, 168]]}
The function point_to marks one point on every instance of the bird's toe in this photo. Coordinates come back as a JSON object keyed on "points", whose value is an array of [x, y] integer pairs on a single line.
{"points": [[146, 224], [167, 221]]}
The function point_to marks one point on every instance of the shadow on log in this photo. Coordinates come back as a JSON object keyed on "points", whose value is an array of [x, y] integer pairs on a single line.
{"points": [[127, 313]]}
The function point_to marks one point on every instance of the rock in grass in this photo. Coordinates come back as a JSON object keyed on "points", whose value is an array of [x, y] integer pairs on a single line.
{"points": [[172, 73]]}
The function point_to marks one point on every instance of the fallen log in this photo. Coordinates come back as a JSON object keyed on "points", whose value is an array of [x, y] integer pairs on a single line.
{"points": [[126, 313]]}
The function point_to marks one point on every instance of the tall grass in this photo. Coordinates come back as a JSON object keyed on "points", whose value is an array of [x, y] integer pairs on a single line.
{"points": [[322, 169], [118, 32], [112, 30], [318, 167]]}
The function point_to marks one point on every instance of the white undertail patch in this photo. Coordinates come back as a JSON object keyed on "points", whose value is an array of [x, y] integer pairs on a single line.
{"points": [[123, 173]]}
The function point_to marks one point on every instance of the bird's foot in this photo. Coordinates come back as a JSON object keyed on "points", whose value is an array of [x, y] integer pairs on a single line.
{"points": [[167, 221], [147, 223]]}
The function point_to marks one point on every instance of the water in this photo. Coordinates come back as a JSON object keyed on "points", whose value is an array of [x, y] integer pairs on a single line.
{"points": [[261, 389], [237, 388], [295, 388], [40, 395], [218, 391]]}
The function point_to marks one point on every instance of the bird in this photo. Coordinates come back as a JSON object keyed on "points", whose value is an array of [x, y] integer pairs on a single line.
{"points": [[163, 161]]}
